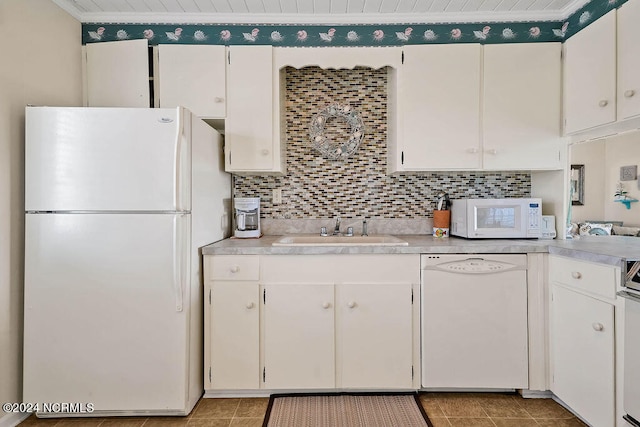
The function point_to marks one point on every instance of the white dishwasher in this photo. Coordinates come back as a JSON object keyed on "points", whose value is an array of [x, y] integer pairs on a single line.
{"points": [[474, 321]]}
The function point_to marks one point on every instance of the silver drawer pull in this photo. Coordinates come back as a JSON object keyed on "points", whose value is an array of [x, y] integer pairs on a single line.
{"points": [[235, 269], [598, 327], [576, 275]]}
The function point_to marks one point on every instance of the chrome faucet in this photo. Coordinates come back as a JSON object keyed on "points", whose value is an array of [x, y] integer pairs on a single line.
{"points": [[336, 230]]}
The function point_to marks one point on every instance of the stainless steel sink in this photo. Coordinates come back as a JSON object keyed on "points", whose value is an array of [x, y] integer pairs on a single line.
{"points": [[316, 240]]}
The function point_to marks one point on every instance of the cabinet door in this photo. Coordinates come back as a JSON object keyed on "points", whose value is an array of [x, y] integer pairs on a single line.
{"points": [[249, 123], [192, 77], [590, 76], [521, 106], [299, 350], [234, 336], [628, 60], [374, 335], [582, 353], [439, 103], [117, 74]]}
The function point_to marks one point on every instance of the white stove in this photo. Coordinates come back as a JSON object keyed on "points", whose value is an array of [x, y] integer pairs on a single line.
{"points": [[631, 400]]}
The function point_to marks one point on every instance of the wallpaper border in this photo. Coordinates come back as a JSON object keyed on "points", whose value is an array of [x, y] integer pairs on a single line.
{"points": [[294, 35]]}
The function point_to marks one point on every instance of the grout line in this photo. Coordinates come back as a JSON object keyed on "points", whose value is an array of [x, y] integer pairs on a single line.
{"points": [[236, 411]]}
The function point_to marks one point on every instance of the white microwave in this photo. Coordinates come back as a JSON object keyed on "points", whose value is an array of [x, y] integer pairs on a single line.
{"points": [[496, 218]]}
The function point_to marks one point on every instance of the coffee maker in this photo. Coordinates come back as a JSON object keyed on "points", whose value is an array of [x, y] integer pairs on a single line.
{"points": [[246, 215]]}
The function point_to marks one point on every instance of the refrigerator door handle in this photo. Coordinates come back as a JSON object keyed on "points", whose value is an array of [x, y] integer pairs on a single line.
{"points": [[177, 261], [177, 197]]}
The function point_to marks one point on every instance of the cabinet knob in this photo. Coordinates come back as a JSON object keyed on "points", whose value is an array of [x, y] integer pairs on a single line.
{"points": [[576, 275], [351, 304], [629, 93], [250, 305], [491, 151], [598, 327], [264, 152], [326, 305], [218, 100], [472, 150], [234, 269], [603, 103]]}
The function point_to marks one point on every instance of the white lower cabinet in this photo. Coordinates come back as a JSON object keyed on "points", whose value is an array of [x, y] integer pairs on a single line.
{"points": [[353, 335], [374, 336], [234, 351], [312, 322], [299, 346], [582, 338], [232, 323]]}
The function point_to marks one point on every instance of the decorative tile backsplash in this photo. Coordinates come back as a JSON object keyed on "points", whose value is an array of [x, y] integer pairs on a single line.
{"points": [[357, 187]]}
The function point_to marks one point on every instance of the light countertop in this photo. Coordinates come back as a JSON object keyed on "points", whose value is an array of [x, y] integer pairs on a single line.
{"points": [[603, 249], [418, 244]]}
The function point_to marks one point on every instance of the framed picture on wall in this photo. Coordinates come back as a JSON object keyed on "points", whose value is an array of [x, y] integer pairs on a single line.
{"points": [[577, 185]]}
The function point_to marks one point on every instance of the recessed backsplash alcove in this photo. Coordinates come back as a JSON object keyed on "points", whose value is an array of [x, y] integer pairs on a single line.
{"points": [[359, 186]]}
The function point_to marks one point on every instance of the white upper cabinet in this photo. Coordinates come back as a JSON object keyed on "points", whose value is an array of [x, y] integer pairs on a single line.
{"points": [[439, 108], [192, 77], [521, 106], [117, 74], [628, 60], [469, 107], [590, 76], [252, 140]]}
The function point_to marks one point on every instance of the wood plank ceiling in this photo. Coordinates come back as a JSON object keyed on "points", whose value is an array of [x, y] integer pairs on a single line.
{"points": [[318, 11]]}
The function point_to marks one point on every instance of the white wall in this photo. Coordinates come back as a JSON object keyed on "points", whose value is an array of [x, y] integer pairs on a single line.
{"points": [[602, 160], [622, 151], [41, 65]]}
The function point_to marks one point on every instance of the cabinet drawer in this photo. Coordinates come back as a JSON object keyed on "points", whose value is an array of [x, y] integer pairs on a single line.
{"points": [[598, 279], [234, 267]]}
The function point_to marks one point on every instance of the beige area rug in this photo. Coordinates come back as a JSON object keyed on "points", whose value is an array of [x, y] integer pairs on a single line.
{"points": [[346, 410]]}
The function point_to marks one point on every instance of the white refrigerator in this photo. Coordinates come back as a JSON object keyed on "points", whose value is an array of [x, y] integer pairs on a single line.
{"points": [[118, 203]]}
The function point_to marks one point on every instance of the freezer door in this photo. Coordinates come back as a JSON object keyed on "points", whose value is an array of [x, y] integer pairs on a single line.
{"points": [[107, 306], [107, 159]]}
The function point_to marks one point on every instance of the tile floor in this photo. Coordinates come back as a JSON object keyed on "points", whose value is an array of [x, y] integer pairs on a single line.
{"points": [[494, 410], [444, 409]]}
